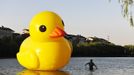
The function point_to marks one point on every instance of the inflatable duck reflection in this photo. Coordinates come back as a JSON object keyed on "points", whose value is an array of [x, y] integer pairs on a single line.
{"points": [[30, 72], [45, 48]]}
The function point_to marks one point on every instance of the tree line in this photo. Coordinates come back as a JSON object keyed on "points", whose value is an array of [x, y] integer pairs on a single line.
{"points": [[9, 45], [98, 47]]}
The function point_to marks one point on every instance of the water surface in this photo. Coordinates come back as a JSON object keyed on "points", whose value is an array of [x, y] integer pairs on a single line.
{"points": [[106, 66]]}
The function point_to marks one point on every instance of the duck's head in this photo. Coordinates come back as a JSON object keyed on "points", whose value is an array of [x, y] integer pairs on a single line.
{"points": [[46, 26]]}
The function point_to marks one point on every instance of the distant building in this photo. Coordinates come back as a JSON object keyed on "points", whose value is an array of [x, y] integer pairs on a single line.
{"points": [[25, 31], [96, 39], [76, 38]]}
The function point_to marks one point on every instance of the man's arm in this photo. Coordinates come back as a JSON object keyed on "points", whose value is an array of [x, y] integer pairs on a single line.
{"points": [[86, 64]]}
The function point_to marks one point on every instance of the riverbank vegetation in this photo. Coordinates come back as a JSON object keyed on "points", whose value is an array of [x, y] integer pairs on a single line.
{"points": [[82, 47]]}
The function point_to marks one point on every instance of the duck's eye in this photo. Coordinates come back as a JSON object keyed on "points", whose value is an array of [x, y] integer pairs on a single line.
{"points": [[62, 22], [42, 28]]}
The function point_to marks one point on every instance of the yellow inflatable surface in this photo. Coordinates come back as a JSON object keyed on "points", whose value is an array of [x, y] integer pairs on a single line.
{"points": [[30, 72], [45, 48]]}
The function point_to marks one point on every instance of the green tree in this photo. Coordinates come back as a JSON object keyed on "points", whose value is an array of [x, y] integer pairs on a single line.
{"points": [[129, 50], [126, 6], [127, 10]]}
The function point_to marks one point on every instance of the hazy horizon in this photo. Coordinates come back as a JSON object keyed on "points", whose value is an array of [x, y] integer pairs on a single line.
{"points": [[102, 18]]}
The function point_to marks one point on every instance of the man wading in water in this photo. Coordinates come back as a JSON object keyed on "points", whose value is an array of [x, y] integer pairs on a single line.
{"points": [[91, 65]]}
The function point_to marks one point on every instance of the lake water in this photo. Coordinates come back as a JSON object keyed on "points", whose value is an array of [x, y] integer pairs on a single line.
{"points": [[106, 66]]}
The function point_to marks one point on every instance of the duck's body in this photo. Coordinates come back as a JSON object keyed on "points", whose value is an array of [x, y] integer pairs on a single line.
{"points": [[50, 55], [45, 52]]}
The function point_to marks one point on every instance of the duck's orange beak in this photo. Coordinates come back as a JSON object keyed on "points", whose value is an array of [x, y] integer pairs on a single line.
{"points": [[58, 32]]}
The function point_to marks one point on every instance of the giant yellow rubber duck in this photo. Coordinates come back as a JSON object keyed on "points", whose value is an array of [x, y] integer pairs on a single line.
{"points": [[45, 48]]}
